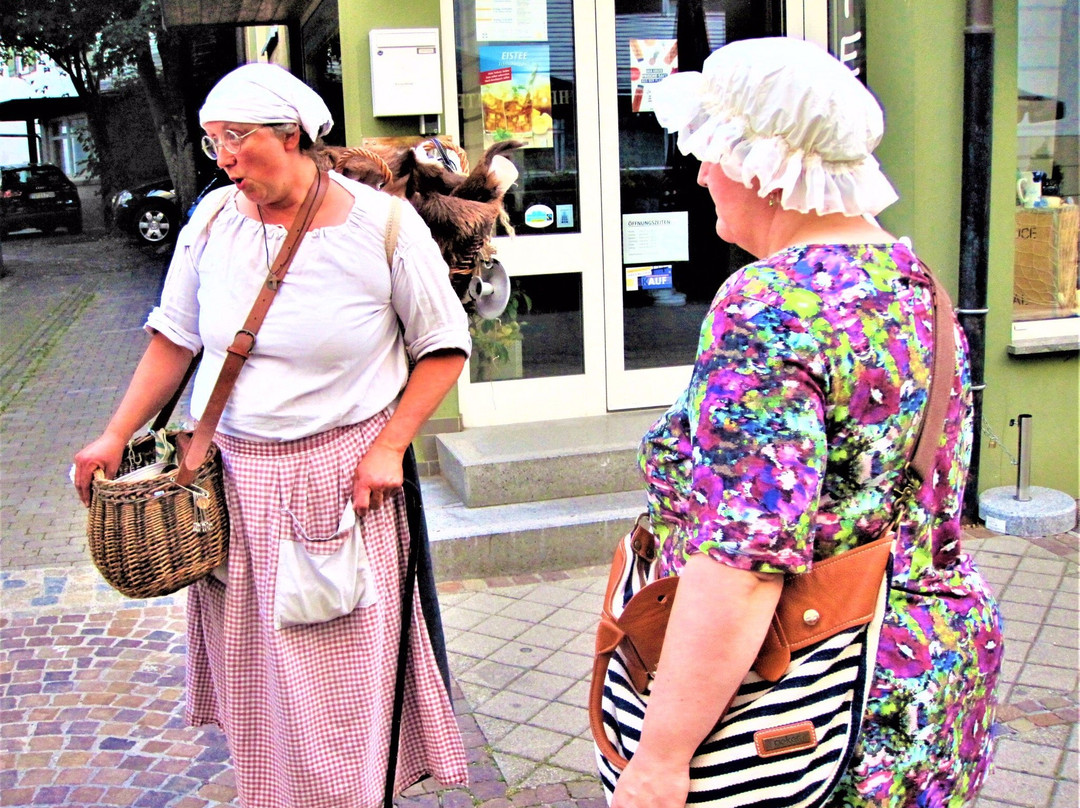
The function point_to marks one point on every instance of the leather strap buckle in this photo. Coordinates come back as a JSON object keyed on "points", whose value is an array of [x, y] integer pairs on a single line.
{"points": [[239, 350]]}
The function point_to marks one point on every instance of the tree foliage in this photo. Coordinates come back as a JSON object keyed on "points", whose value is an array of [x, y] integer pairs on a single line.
{"points": [[94, 41]]}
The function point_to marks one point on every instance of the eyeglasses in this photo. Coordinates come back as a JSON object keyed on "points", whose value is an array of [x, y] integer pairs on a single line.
{"points": [[230, 141]]}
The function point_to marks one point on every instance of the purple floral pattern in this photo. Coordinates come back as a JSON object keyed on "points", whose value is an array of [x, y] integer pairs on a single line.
{"points": [[812, 373]]}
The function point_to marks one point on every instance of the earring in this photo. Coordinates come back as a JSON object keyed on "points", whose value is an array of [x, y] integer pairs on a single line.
{"points": [[773, 199]]}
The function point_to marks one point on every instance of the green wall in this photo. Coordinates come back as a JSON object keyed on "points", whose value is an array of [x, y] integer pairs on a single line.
{"points": [[356, 18], [921, 86]]}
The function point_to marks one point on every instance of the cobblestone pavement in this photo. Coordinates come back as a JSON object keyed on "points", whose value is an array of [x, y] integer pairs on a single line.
{"points": [[91, 682]]}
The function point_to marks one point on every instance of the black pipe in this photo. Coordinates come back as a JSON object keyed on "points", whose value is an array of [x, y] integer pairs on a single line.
{"points": [[975, 215]]}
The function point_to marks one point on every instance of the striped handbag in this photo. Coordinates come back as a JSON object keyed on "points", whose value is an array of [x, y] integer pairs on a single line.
{"points": [[789, 733], [791, 728]]}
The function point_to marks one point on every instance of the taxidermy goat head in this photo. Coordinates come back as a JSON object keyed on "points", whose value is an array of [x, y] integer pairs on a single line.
{"points": [[459, 206]]}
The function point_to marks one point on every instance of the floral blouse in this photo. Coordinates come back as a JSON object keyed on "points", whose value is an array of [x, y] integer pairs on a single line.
{"points": [[806, 397]]}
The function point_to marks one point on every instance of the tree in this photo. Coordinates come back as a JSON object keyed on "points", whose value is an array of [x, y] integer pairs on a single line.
{"points": [[93, 41]]}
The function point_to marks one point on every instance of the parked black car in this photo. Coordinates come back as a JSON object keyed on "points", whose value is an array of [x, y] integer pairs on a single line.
{"points": [[149, 212], [38, 196]]}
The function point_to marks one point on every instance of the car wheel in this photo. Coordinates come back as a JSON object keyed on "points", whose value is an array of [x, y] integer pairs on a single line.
{"points": [[74, 226], [155, 223]]}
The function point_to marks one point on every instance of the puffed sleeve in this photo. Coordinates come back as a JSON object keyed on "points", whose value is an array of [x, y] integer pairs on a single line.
{"points": [[176, 316], [431, 314], [756, 420]]}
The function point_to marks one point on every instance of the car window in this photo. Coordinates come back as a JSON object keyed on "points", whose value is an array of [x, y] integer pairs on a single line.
{"points": [[40, 176]]}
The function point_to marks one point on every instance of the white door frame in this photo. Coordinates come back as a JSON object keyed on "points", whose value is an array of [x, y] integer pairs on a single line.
{"points": [[521, 400]]}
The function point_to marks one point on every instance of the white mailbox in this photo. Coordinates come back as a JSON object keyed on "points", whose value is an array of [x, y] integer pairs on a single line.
{"points": [[405, 73]]}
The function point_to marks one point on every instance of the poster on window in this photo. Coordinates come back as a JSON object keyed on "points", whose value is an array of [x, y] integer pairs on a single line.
{"points": [[511, 21], [515, 92], [651, 61], [656, 237]]}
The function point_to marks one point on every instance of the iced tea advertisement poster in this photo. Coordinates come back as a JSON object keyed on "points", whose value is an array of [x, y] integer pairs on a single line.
{"points": [[515, 91], [511, 21], [651, 61]]}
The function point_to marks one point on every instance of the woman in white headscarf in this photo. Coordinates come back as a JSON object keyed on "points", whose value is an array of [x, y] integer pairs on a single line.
{"points": [[786, 447], [320, 421]]}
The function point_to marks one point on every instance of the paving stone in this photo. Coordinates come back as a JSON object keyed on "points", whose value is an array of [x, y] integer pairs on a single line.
{"points": [[520, 654], [1015, 754], [531, 743], [542, 685]]}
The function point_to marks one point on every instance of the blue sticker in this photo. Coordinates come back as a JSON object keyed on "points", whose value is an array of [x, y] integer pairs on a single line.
{"points": [[564, 215], [659, 278]]}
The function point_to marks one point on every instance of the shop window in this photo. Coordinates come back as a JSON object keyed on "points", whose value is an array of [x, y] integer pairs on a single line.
{"points": [[517, 80], [540, 333], [1046, 307]]}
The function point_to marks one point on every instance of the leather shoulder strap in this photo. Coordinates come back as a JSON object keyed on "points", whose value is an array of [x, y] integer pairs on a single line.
{"points": [[942, 372]]}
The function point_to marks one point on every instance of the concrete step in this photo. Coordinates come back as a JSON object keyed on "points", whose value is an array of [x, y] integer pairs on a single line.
{"points": [[544, 460], [524, 537]]}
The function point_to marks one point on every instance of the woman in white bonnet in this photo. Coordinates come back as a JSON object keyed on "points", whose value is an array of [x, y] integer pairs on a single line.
{"points": [[320, 421], [801, 410]]}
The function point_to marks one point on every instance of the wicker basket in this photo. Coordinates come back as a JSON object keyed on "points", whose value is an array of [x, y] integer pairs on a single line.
{"points": [[150, 537]]}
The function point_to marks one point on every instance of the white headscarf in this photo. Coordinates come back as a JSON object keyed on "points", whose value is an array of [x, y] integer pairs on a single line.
{"points": [[787, 113], [266, 93]]}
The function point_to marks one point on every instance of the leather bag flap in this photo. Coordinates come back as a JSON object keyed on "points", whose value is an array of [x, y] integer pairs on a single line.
{"points": [[644, 621], [837, 593]]}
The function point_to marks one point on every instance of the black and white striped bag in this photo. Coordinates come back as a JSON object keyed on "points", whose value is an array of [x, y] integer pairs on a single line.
{"points": [[781, 744]]}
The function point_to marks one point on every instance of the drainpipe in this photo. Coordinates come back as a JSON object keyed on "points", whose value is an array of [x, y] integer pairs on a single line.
{"points": [[975, 214]]}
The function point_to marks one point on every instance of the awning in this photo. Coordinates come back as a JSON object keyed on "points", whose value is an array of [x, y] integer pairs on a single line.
{"points": [[27, 109], [231, 12]]}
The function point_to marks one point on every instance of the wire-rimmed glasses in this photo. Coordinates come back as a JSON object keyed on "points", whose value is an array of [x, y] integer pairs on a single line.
{"points": [[230, 141]]}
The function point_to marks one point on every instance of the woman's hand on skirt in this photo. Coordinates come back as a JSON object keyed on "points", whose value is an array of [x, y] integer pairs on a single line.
{"points": [[377, 474]]}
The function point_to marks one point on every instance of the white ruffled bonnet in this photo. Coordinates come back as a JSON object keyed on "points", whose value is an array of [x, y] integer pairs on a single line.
{"points": [[266, 93], [786, 112]]}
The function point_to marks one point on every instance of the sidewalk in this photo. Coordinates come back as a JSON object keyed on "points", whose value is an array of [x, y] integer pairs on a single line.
{"points": [[92, 683]]}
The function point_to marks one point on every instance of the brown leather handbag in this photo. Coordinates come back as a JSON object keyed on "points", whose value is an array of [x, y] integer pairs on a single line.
{"points": [[790, 730]]}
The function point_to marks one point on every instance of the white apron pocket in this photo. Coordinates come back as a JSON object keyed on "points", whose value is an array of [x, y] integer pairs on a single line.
{"points": [[313, 587]]}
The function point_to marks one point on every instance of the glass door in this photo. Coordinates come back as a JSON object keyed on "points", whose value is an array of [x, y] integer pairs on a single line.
{"points": [[663, 259], [527, 73]]}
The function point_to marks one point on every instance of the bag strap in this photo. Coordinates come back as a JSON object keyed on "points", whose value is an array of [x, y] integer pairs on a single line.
{"points": [[941, 376], [393, 227], [920, 463], [244, 341]]}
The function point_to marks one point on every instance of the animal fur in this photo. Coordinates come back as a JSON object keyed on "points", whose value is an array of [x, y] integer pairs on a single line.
{"points": [[461, 210]]}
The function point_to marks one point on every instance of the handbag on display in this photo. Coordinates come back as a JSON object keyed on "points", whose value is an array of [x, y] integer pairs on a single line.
{"points": [[162, 524], [789, 733]]}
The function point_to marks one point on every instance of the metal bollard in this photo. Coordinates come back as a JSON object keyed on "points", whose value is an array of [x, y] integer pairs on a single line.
{"points": [[1023, 472]]}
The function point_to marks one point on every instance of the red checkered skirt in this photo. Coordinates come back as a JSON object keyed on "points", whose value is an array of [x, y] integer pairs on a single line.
{"points": [[307, 709]]}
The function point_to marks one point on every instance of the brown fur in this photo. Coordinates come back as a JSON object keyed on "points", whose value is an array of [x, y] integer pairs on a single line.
{"points": [[461, 210]]}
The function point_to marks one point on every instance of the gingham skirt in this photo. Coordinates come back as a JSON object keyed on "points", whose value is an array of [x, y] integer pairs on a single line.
{"points": [[307, 710]]}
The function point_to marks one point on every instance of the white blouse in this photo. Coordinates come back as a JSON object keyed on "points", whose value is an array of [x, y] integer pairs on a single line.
{"points": [[330, 352]]}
